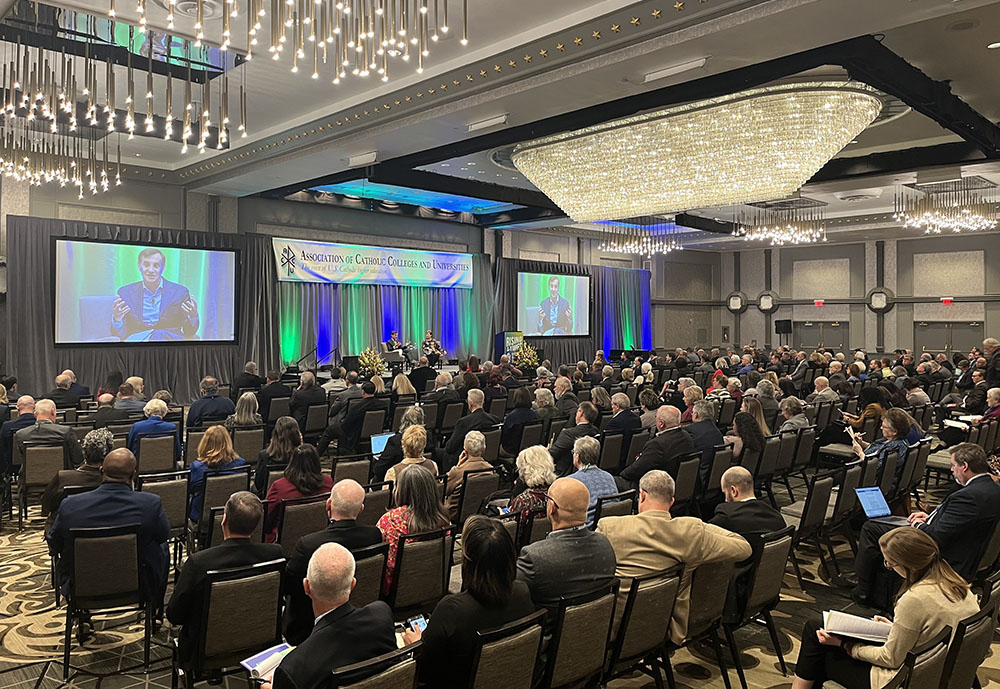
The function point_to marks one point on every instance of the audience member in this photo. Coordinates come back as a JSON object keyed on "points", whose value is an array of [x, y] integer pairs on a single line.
{"points": [[246, 415], [340, 403], [471, 459], [413, 443], [622, 418], [895, 428], [915, 394], [823, 391], [96, 445], [490, 598], [346, 502], [692, 394], [211, 407], [421, 374], [650, 402], [278, 453], [652, 541], [746, 437], [561, 448], [25, 418], [111, 384], [106, 412], [742, 512], [347, 432], [248, 380], [273, 389], [303, 478], [663, 451], [308, 394], [216, 455], [599, 483], [46, 429], [566, 399], [515, 420], [342, 634], [601, 399], [793, 413], [61, 395], [950, 435], [127, 402], [705, 436], [153, 426], [401, 386], [535, 473], [478, 419], [337, 383], [76, 388], [240, 519]]}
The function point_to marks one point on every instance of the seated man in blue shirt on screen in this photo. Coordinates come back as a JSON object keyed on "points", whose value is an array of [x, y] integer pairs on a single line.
{"points": [[555, 317], [154, 308]]}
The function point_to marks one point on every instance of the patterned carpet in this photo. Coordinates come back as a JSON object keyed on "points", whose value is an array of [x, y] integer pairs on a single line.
{"points": [[31, 629]]}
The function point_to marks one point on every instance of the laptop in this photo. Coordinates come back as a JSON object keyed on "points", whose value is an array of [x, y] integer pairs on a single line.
{"points": [[379, 441], [876, 508]]}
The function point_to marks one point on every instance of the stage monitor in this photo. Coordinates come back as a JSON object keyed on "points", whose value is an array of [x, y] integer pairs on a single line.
{"points": [[553, 305], [142, 294]]}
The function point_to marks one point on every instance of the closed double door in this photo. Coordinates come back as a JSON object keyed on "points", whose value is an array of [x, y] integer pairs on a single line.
{"points": [[808, 335], [945, 338]]}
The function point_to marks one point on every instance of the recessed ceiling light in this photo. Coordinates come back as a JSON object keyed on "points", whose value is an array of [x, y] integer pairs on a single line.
{"points": [[993, 46]]}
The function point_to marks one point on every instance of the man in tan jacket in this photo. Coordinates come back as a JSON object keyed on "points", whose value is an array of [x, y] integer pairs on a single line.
{"points": [[652, 541], [471, 459]]}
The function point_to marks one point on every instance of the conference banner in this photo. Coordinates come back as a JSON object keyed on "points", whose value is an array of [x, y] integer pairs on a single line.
{"points": [[299, 261]]}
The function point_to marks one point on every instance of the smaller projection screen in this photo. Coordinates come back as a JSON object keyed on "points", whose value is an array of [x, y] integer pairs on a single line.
{"points": [[553, 305], [142, 294]]}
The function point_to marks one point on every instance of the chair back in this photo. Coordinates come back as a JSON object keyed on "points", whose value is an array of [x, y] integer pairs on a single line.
{"points": [[531, 434], [219, 486], [430, 413], [721, 460], [645, 620], [687, 479], [492, 452], [369, 572], [611, 451], [106, 566], [824, 411], [869, 476], [299, 517], [919, 464], [422, 568], [378, 499], [727, 411], [535, 528], [709, 584], [750, 459], [768, 459], [453, 411], [580, 638], [764, 587], [926, 662], [888, 476], [397, 414], [870, 430], [316, 419], [156, 454], [909, 467], [357, 469], [817, 501], [498, 406], [636, 445], [991, 552], [373, 424], [172, 488], [556, 427], [583, 395], [394, 670], [225, 600], [191, 447], [476, 486], [617, 505], [991, 590], [215, 535], [786, 451], [847, 499], [804, 448], [249, 441], [505, 657], [969, 647], [42, 461]]}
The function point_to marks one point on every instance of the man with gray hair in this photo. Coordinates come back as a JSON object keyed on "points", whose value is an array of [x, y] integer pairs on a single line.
{"points": [[346, 502], [607, 378], [823, 393], [600, 484], [652, 541], [622, 419], [471, 459], [991, 348], [61, 395], [153, 426], [742, 512], [705, 435], [243, 514], [210, 407], [46, 429], [478, 419], [25, 418], [663, 451], [138, 384], [566, 399], [341, 634], [308, 394], [106, 412], [74, 387], [247, 380]]}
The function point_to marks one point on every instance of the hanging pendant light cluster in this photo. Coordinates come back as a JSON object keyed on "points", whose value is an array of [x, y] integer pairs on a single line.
{"points": [[780, 227], [646, 236], [960, 209]]}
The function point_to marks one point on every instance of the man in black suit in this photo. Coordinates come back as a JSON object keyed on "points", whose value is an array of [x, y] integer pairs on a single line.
{"points": [[705, 435], [247, 379], [114, 503], [306, 395], [509, 380], [25, 418], [240, 519], [273, 389], [742, 512], [47, 430], [74, 387], [607, 378], [106, 412], [347, 433], [596, 374], [562, 449], [962, 525], [663, 451], [443, 393], [61, 395], [622, 419], [338, 409], [211, 407], [566, 399], [972, 402], [342, 634], [421, 374], [476, 420], [346, 502]]}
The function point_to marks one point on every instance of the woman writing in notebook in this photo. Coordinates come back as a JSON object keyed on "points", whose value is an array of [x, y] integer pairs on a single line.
{"points": [[932, 597]]}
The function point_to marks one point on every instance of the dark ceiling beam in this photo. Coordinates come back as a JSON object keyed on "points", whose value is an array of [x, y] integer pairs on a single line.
{"points": [[697, 222], [519, 216], [893, 162], [446, 184]]}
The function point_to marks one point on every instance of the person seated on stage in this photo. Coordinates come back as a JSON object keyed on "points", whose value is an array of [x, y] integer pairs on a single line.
{"points": [[242, 516], [247, 380], [347, 429], [555, 316], [414, 442], [431, 348], [341, 634], [421, 374], [61, 395], [246, 415], [211, 407], [305, 396], [933, 596], [153, 426], [96, 446], [958, 525], [303, 478], [154, 308]]}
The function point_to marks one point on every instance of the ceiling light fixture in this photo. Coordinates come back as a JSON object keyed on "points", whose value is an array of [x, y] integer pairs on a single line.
{"points": [[993, 46], [491, 122], [961, 209], [674, 70], [363, 159], [645, 236], [750, 146], [780, 227]]}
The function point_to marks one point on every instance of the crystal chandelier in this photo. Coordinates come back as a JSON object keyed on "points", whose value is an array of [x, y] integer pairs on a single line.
{"points": [[780, 227], [750, 146], [960, 209], [645, 236]]}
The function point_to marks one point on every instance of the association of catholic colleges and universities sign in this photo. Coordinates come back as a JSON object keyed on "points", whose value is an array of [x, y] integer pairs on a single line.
{"points": [[299, 261]]}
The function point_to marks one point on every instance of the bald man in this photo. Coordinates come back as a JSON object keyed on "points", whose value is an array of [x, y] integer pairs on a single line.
{"points": [[572, 560], [106, 412], [74, 387], [663, 451], [61, 394], [346, 502], [25, 418], [47, 430], [114, 503]]}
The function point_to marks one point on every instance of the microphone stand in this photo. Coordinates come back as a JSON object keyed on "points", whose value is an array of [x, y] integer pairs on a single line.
{"points": [[324, 357]]}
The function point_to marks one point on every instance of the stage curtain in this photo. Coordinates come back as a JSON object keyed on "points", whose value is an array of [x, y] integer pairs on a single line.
{"points": [[34, 359], [619, 317]]}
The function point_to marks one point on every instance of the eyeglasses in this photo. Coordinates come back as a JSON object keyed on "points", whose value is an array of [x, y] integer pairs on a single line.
{"points": [[888, 565], [549, 497]]}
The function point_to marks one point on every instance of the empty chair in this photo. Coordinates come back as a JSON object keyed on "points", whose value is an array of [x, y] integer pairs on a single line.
{"points": [[476, 487], [394, 670], [172, 488], [41, 462], [611, 451], [248, 442], [969, 648], [300, 516], [617, 505], [357, 467], [709, 584], [369, 572], [422, 568], [156, 454], [686, 481], [579, 640], [378, 499]]}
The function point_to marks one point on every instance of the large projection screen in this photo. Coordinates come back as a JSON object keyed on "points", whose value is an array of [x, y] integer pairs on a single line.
{"points": [[552, 305]]}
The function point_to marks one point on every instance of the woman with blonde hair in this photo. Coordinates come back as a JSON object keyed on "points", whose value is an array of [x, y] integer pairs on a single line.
{"points": [[413, 442], [246, 413], [751, 405], [215, 454], [692, 394], [600, 398], [401, 385], [933, 596], [4, 409], [379, 384]]}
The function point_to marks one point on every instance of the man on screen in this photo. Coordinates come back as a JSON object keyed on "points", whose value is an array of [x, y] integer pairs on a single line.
{"points": [[154, 308], [555, 317]]}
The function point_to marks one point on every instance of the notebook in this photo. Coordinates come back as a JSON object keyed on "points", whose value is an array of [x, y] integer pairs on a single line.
{"points": [[875, 506], [843, 624], [379, 441], [262, 665]]}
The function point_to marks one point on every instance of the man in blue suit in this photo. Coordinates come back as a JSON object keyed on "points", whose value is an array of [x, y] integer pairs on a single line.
{"points": [[154, 308], [153, 426], [114, 503]]}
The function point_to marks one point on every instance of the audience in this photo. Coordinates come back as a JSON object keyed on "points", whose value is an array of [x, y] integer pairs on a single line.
{"points": [[306, 395], [490, 598], [246, 415], [336, 382], [106, 412], [340, 402], [545, 408], [601, 399], [153, 426], [515, 420], [652, 541], [211, 407], [895, 428], [342, 634], [471, 459], [278, 453], [663, 451], [111, 384], [413, 443], [692, 394], [346, 502], [127, 402], [823, 393], [392, 454], [599, 483], [401, 386], [215, 455], [96, 445], [535, 473], [46, 429], [561, 448], [303, 478]]}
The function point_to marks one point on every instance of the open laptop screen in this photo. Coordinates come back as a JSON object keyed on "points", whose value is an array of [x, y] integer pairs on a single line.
{"points": [[873, 502], [379, 441]]}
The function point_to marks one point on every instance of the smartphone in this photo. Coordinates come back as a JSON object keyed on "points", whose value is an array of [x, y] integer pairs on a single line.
{"points": [[417, 624], [504, 510]]}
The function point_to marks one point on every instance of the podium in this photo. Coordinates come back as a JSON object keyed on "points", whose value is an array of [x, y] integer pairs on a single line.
{"points": [[507, 342]]}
